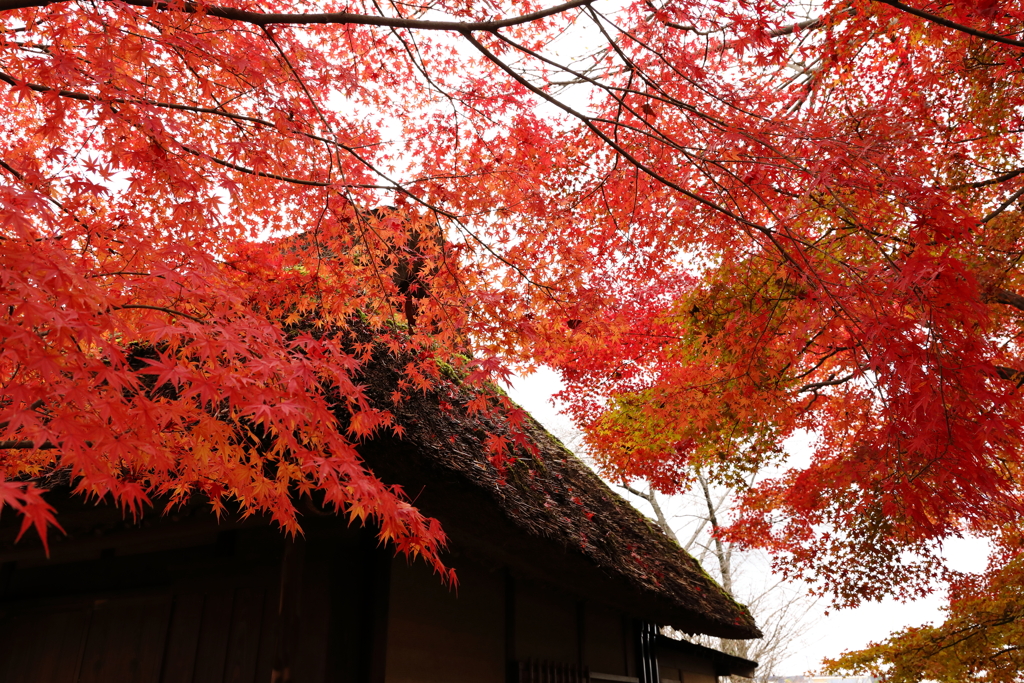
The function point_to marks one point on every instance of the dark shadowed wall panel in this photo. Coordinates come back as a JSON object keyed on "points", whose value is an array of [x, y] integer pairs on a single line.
{"points": [[204, 614], [183, 639], [439, 635], [126, 640], [604, 647], [547, 624], [42, 646]]}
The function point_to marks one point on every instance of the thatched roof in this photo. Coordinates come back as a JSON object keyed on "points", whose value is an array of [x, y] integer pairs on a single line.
{"points": [[547, 514], [549, 508]]}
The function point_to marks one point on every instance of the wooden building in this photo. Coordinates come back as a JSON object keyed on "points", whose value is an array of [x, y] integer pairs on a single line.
{"points": [[560, 581]]}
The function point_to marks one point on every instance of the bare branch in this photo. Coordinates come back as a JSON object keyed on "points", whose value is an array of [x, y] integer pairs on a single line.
{"points": [[662, 522], [720, 550], [652, 498]]}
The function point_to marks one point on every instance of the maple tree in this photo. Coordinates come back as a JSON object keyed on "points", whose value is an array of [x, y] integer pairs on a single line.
{"points": [[723, 222], [980, 638]]}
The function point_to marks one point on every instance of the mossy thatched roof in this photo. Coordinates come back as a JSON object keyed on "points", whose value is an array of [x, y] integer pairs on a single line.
{"points": [[545, 514]]}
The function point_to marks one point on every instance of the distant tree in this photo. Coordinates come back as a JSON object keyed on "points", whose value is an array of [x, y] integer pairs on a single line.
{"points": [[980, 639], [782, 610]]}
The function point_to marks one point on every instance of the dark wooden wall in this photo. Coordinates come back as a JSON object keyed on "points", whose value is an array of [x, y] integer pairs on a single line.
{"points": [[237, 605], [188, 600]]}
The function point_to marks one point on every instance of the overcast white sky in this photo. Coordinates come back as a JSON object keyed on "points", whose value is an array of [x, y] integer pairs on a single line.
{"points": [[829, 634]]}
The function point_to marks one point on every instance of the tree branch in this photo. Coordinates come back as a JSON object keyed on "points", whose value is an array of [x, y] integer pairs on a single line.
{"points": [[263, 19], [239, 117], [84, 97], [814, 386], [24, 445], [696, 534], [720, 550], [999, 178], [941, 21], [1009, 374], [651, 498], [169, 311], [1002, 207], [36, 405], [807, 25], [1005, 296], [251, 171], [589, 123]]}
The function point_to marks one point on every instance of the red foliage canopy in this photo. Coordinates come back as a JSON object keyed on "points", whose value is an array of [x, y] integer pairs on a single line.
{"points": [[723, 222]]}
